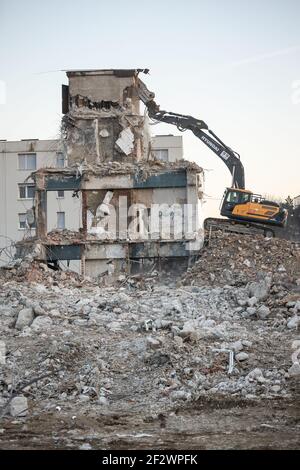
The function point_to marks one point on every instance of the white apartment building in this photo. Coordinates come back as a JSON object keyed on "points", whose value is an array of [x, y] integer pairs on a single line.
{"points": [[18, 159], [168, 148]]}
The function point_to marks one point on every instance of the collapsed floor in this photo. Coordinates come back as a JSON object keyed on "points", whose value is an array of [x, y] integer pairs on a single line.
{"points": [[205, 360]]}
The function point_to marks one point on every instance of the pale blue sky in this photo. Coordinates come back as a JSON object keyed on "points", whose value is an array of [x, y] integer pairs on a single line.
{"points": [[231, 63]]}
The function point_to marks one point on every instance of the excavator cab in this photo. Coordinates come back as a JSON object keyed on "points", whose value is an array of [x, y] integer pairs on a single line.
{"points": [[231, 198], [242, 205]]}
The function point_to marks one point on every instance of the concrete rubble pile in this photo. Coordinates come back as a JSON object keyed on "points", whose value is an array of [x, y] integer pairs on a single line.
{"points": [[28, 269], [265, 271], [236, 259], [150, 347]]}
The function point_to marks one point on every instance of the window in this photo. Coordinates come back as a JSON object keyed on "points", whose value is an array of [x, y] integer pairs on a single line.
{"points": [[22, 221], [26, 191], [162, 154], [245, 197], [60, 220], [232, 196], [238, 197], [60, 194], [27, 161], [256, 198], [60, 160]]}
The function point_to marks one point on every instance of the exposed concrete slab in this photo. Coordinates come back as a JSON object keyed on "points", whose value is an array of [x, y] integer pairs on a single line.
{"points": [[105, 251]]}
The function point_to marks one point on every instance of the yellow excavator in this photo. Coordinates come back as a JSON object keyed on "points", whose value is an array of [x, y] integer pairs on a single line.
{"points": [[246, 211]]}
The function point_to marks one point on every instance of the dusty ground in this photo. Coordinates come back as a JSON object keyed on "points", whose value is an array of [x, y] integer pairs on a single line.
{"points": [[146, 364], [215, 424]]}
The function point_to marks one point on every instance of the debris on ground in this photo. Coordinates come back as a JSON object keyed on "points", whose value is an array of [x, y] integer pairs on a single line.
{"points": [[226, 330]]}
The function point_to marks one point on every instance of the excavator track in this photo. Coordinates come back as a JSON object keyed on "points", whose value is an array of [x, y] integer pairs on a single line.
{"points": [[247, 228]]}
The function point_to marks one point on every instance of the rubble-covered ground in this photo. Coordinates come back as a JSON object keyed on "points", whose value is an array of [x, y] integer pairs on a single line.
{"points": [[209, 360]]}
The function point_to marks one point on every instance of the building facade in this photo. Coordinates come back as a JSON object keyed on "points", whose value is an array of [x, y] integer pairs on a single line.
{"points": [[168, 148], [18, 159]]}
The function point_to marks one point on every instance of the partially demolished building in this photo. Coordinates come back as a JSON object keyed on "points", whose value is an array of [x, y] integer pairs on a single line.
{"points": [[136, 212]]}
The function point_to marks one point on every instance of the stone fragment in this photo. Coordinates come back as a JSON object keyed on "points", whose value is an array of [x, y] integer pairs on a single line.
{"points": [[242, 356], [263, 312], [294, 370], [251, 301], [180, 395], [41, 323], [25, 318], [293, 322], [251, 311], [254, 374], [19, 406], [260, 289], [237, 346], [153, 343]]}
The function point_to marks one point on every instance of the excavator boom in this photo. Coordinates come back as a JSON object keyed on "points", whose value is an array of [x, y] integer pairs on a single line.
{"points": [[240, 206], [197, 126]]}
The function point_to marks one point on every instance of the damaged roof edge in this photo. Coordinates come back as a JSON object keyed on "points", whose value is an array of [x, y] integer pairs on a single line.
{"points": [[151, 168], [116, 72]]}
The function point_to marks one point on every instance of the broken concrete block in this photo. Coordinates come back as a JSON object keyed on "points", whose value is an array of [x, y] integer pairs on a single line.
{"points": [[125, 141], [178, 341], [180, 395], [38, 310], [293, 322], [2, 352], [242, 356], [260, 289], [251, 311], [281, 269], [247, 263], [237, 346], [153, 343], [85, 446], [189, 330], [294, 371], [296, 344], [297, 306], [104, 133], [252, 301], [208, 323], [246, 343], [19, 406], [25, 318], [254, 374], [263, 312], [41, 323], [102, 400], [290, 304]]}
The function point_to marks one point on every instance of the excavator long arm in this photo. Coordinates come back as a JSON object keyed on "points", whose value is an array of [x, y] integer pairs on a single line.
{"points": [[183, 122]]}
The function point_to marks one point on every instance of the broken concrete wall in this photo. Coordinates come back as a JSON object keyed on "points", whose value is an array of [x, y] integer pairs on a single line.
{"points": [[103, 122], [125, 218], [115, 86], [133, 208], [174, 195]]}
